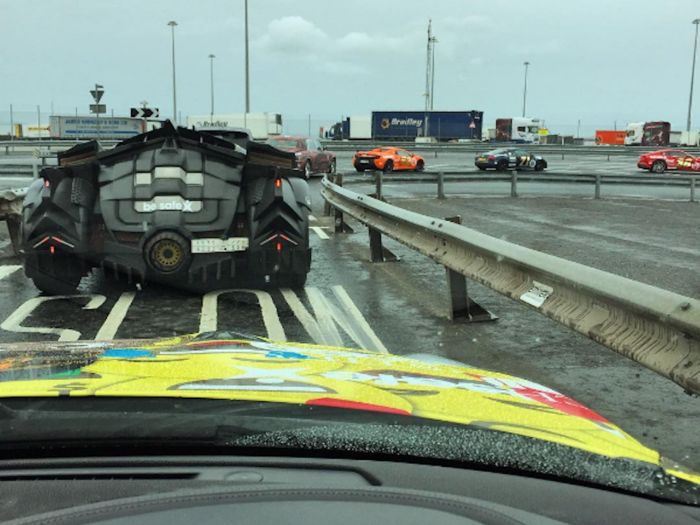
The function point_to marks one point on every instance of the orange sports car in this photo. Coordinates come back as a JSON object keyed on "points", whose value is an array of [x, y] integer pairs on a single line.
{"points": [[388, 160]]}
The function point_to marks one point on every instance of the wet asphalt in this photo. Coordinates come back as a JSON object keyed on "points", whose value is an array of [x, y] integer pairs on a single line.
{"points": [[401, 307]]}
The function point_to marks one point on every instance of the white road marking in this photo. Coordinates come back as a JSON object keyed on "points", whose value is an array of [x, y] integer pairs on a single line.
{"points": [[13, 322], [319, 231], [9, 269], [344, 298], [322, 325], [209, 314], [116, 317], [312, 218]]}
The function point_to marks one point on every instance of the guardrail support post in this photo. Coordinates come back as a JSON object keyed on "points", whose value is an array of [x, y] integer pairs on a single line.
{"points": [[461, 306], [514, 183], [692, 189], [14, 228], [327, 205], [340, 225], [378, 181], [597, 186], [35, 171], [441, 185], [377, 251]]}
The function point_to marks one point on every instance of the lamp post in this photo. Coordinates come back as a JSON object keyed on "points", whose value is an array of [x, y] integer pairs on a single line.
{"points": [[692, 74], [247, 71], [172, 25], [527, 65], [211, 60]]}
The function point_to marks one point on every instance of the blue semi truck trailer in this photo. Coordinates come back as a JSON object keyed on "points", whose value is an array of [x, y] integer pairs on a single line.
{"points": [[442, 125]]}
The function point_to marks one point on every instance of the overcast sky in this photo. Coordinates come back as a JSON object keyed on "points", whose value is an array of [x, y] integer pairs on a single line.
{"points": [[598, 61]]}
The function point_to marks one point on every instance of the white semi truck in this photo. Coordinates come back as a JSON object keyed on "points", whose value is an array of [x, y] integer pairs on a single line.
{"points": [[261, 125]]}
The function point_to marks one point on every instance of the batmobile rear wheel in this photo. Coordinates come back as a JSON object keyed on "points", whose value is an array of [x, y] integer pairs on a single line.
{"points": [[59, 275]]}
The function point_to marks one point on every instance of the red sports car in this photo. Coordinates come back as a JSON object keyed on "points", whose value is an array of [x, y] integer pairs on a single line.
{"points": [[312, 156], [668, 159]]}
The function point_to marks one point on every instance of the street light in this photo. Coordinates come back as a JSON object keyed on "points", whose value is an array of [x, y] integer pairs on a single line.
{"points": [[247, 79], [172, 25], [692, 74], [526, 64], [211, 59]]}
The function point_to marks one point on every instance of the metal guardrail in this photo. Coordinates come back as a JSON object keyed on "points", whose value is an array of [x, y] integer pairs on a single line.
{"points": [[656, 328], [480, 147], [514, 177], [11, 212]]}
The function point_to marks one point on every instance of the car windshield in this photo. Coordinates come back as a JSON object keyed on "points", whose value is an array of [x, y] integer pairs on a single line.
{"points": [[284, 143], [275, 217]]}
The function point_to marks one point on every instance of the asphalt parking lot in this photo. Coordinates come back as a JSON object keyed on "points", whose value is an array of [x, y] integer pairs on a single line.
{"points": [[384, 306]]}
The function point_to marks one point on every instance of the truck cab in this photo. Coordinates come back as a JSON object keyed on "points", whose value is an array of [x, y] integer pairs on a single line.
{"points": [[634, 134]]}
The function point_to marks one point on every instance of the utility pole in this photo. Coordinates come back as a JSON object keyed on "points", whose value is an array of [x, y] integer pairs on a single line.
{"points": [[144, 121], [692, 74], [527, 65], [429, 75], [12, 125], [172, 25], [211, 59], [432, 73], [247, 70], [38, 119]]}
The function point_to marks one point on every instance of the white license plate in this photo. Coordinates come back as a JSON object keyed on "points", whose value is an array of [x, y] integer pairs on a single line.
{"points": [[233, 244]]}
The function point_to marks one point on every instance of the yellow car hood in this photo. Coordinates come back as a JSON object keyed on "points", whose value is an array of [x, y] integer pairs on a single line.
{"points": [[213, 367]]}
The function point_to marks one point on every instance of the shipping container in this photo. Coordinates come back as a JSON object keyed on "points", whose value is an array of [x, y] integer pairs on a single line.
{"points": [[442, 125], [690, 138], [612, 138], [260, 125], [360, 127], [106, 128]]}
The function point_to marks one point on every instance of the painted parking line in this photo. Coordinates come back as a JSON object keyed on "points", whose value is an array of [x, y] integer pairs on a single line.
{"points": [[312, 218], [8, 270], [14, 322], [116, 317], [318, 230]]}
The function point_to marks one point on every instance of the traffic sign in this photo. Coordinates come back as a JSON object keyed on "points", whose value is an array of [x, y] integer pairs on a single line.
{"points": [[145, 112], [98, 108], [97, 93]]}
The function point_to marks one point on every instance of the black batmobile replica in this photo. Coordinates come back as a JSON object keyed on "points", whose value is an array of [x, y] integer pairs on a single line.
{"points": [[176, 206]]}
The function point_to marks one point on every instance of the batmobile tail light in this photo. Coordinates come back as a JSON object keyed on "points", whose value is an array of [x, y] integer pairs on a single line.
{"points": [[279, 246], [289, 240], [46, 183], [278, 183], [52, 249]]}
